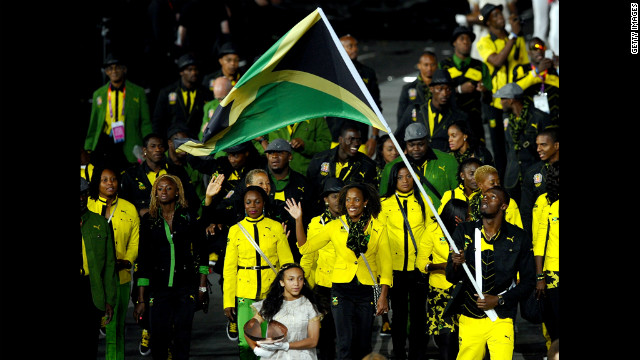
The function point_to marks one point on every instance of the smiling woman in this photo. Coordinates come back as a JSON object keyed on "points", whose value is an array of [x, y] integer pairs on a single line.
{"points": [[256, 247], [362, 254]]}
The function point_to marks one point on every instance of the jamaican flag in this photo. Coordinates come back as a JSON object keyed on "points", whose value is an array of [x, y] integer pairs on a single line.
{"points": [[306, 74]]}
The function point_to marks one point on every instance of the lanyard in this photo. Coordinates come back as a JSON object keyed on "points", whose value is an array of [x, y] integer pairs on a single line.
{"points": [[109, 101], [542, 76]]}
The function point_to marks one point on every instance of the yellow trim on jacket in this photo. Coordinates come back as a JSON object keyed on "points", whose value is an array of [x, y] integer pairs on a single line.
{"points": [[126, 230], [347, 263], [244, 282], [318, 265], [544, 215], [434, 244], [391, 216]]}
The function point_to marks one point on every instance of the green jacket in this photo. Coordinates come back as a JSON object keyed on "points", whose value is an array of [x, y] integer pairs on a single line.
{"points": [[137, 119], [316, 136], [101, 258], [441, 169]]}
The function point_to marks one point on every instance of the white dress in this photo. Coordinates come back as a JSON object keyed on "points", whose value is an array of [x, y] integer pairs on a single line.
{"points": [[295, 315]]}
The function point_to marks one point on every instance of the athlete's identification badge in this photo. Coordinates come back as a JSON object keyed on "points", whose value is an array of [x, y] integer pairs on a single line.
{"points": [[324, 169], [413, 93], [537, 179], [172, 98]]}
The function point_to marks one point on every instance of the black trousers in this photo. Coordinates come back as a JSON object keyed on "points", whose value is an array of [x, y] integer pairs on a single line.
{"points": [[171, 316], [327, 341], [551, 314], [89, 318], [409, 299], [353, 314]]}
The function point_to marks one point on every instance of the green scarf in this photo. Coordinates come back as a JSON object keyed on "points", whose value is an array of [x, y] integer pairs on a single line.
{"points": [[474, 207], [357, 241]]}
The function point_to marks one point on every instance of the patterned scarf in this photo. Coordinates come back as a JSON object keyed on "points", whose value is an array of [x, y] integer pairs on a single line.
{"points": [[474, 206], [357, 240], [517, 125], [461, 157], [327, 215]]}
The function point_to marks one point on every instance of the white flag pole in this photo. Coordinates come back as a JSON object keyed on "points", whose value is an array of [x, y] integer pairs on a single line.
{"points": [[490, 313]]}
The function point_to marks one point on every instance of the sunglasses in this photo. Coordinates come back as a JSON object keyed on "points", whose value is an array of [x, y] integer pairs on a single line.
{"points": [[538, 46]]}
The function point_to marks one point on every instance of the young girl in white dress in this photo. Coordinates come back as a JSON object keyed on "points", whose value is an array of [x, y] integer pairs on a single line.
{"points": [[291, 302]]}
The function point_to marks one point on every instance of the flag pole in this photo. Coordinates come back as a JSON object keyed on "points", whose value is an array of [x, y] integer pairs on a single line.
{"points": [[490, 313]]}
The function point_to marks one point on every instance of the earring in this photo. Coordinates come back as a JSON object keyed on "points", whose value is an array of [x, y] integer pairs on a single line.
{"points": [[465, 139], [326, 203]]}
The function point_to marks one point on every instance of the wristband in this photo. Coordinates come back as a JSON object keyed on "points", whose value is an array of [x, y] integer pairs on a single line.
{"points": [[459, 89], [513, 35], [202, 289]]}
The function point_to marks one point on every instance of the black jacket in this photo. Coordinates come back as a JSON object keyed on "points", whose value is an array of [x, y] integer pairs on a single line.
{"points": [[155, 251], [171, 108], [136, 187], [414, 93], [513, 254], [534, 184], [521, 155], [361, 169], [440, 138]]}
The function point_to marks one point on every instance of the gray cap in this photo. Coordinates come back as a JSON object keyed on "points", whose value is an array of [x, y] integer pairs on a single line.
{"points": [[278, 145], [415, 131], [84, 185], [509, 91]]}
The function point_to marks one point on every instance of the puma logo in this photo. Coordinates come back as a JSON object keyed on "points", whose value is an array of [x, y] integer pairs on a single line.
{"points": [[441, 167], [97, 226]]}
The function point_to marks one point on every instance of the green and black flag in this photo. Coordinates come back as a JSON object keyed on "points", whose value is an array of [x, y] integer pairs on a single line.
{"points": [[306, 74]]}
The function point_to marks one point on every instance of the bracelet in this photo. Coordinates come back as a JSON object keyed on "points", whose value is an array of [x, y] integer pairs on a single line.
{"points": [[459, 88], [513, 35], [202, 289]]}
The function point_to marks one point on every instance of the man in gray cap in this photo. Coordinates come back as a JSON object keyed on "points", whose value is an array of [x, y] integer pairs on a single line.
{"points": [[98, 277], [286, 184], [471, 79], [182, 101], [436, 169], [522, 124], [437, 113]]}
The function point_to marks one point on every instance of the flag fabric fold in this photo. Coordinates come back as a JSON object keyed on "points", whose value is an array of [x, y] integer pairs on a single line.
{"points": [[305, 74]]}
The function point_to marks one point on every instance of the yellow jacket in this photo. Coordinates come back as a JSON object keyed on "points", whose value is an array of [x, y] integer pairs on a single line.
{"points": [[458, 193], [250, 283], [545, 217], [392, 217], [348, 264], [318, 265], [435, 244], [126, 230]]}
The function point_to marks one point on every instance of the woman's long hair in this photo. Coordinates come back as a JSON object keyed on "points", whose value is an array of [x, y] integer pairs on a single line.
{"points": [[453, 208], [393, 182], [273, 302], [553, 182], [153, 204], [369, 193]]}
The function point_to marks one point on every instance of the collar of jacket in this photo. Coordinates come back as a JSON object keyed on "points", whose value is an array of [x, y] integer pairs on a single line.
{"points": [[104, 200], [147, 169], [256, 220], [404, 195]]}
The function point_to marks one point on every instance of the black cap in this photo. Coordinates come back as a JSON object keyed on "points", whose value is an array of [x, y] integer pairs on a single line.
{"points": [[176, 128], [440, 76], [332, 185], [462, 30], [111, 60], [227, 48], [186, 60], [238, 148], [487, 9]]}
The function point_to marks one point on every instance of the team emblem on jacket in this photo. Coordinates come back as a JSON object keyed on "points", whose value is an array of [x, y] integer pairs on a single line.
{"points": [[99, 100], [413, 93], [172, 98], [537, 179], [324, 169], [141, 186], [211, 111]]}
